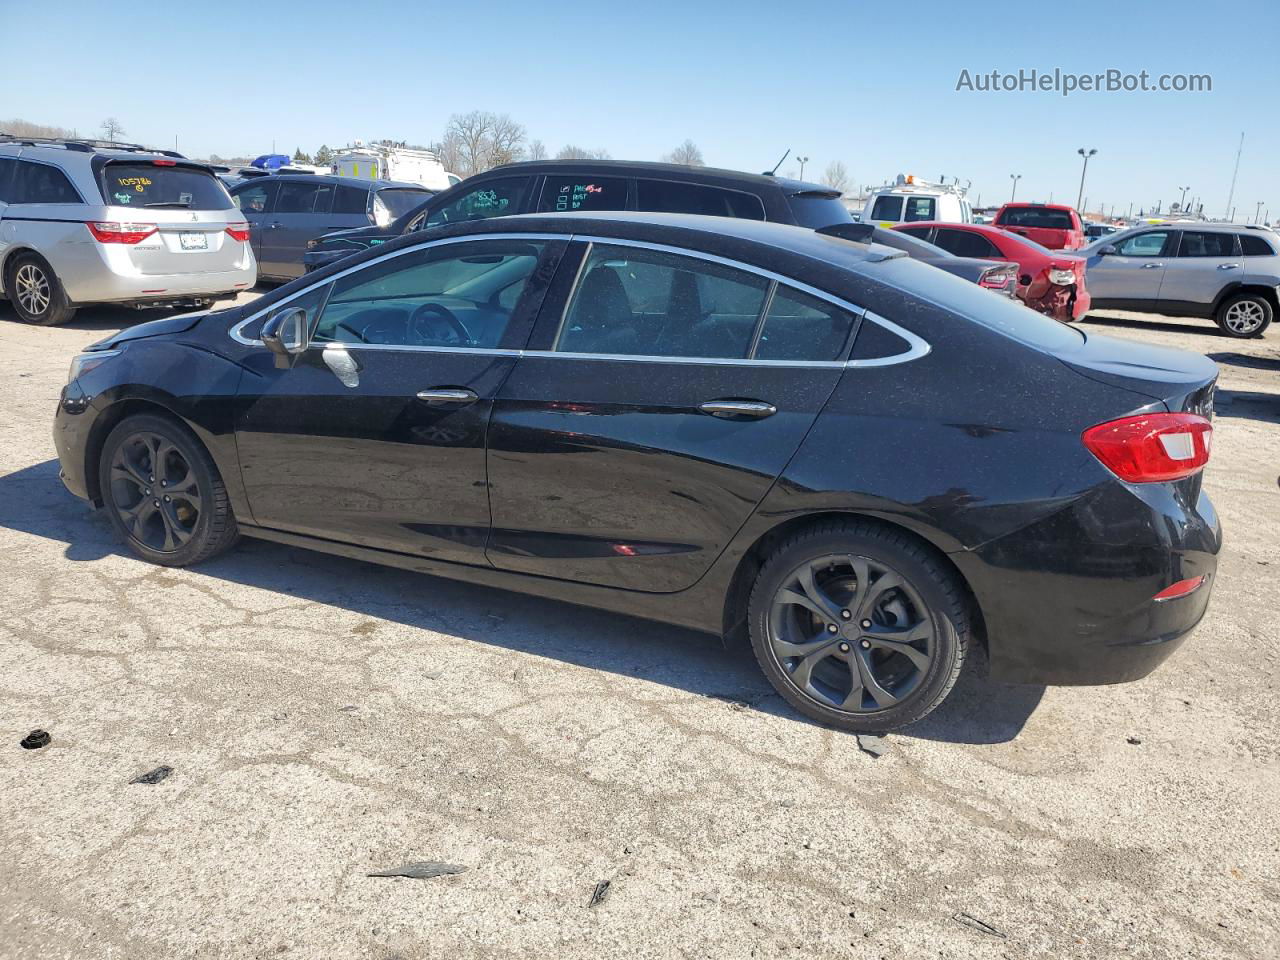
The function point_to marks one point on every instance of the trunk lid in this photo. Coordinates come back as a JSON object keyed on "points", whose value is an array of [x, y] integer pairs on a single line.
{"points": [[1182, 380]]}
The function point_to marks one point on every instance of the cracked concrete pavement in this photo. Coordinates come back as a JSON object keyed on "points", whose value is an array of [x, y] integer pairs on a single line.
{"points": [[327, 718]]}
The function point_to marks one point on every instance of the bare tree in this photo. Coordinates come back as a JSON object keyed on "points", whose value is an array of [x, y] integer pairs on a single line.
{"points": [[836, 176], [687, 153], [573, 152], [478, 140], [112, 129], [536, 150], [25, 128]]}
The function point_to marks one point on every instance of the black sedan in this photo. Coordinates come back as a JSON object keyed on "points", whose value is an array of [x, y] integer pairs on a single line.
{"points": [[861, 463]]}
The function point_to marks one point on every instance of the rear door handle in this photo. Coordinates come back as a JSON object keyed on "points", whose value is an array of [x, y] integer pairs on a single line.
{"points": [[1151, 266], [1228, 266], [732, 409], [445, 396]]}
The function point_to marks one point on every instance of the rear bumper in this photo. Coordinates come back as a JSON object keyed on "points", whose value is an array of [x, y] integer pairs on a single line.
{"points": [[1069, 600], [98, 273]]}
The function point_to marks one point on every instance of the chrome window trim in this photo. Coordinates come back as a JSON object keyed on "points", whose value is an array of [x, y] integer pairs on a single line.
{"points": [[917, 347], [235, 334]]}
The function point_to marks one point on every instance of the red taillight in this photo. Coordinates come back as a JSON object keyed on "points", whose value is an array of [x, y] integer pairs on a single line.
{"points": [[1153, 447], [121, 232], [1179, 589], [239, 232]]}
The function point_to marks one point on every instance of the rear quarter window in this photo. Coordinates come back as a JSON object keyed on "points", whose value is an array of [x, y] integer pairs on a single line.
{"points": [[148, 185], [41, 183], [668, 196]]}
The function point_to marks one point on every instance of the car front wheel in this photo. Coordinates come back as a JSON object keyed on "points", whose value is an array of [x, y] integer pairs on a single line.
{"points": [[1245, 315], [36, 292], [859, 626], [163, 493]]}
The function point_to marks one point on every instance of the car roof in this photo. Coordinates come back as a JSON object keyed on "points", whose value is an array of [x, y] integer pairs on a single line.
{"points": [[677, 171], [1040, 206]]}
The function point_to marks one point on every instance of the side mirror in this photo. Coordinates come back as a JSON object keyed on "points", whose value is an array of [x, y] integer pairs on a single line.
{"points": [[1108, 251], [286, 335]]}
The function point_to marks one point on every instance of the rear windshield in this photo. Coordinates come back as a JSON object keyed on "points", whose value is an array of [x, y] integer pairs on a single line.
{"points": [[816, 210], [400, 201], [177, 188], [1036, 217]]}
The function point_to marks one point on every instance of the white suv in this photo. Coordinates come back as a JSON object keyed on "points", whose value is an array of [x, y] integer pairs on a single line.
{"points": [[90, 222]]}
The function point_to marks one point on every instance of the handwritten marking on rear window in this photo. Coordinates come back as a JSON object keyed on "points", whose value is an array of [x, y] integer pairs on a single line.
{"points": [[138, 183]]}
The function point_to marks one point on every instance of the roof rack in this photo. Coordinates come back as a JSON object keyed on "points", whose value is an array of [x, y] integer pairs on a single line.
{"points": [[86, 145]]}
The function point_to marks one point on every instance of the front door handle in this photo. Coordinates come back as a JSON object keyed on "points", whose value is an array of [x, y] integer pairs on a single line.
{"points": [[1151, 266], [733, 409], [448, 396], [1228, 266]]}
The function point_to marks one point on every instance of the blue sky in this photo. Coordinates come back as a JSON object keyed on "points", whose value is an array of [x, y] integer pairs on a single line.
{"points": [[870, 84]]}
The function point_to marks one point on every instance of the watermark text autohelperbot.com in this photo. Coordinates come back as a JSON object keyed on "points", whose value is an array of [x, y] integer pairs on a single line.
{"points": [[1065, 83]]}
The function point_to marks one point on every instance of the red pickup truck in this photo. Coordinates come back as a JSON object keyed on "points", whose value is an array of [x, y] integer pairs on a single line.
{"points": [[1051, 225]]}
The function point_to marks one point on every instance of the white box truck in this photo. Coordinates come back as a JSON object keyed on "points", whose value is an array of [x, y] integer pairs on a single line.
{"points": [[381, 162]]}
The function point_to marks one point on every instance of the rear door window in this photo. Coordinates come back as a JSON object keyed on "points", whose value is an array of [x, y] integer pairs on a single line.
{"points": [[561, 194], [669, 196], [131, 184], [801, 327], [963, 243], [302, 197], [41, 183], [1198, 244], [920, 208], [887, 208], [348, 199]]}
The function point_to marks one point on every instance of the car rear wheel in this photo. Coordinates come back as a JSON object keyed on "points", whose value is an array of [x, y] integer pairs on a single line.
{"points": [[1244, 315], [858, 626], [163, 493], [36, 292]]}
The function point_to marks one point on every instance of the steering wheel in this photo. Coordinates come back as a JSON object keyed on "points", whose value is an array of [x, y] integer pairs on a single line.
{"points": [[432, 323], [351, 330]]}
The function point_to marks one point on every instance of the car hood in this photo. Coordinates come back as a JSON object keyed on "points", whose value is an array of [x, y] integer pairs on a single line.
{"points": [[152, 328]]}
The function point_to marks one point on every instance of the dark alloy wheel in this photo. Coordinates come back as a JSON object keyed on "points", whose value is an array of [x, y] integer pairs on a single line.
{"points": [[36, 293], [859, 626], [163, 492]]}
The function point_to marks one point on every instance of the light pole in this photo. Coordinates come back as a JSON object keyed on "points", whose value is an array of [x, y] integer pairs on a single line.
{"points": [[1083, 171], [1015, 177], [1182, 204], [802, 161]]}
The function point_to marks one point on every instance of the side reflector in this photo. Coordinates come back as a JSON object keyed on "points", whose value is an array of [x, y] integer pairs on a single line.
{"points": [[1152, 448], [1179, 589]]}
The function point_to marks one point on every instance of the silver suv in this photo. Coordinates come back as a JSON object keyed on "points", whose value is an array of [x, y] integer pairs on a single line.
{"points": [[1226, 272], [85, 221]]}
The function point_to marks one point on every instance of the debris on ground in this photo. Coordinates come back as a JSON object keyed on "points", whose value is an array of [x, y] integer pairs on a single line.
{"points": [[349, 708], [597, 896], [872, 744], [1132, 741], [35, 740], [423, 870], [153, 776], [981, 926]]}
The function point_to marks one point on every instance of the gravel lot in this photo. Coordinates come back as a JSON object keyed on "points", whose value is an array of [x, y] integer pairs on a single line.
{"points": [[326, 718]]}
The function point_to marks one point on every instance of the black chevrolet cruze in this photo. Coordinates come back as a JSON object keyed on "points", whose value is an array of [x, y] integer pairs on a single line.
{"points": [[859, 462]]}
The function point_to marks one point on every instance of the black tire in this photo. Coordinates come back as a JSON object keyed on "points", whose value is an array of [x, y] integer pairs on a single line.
{"points": [[1244, 316], [927, 610], [36, 292], [163, 493]]}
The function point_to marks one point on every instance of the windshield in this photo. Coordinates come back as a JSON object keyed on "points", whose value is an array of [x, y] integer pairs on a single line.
{"points": [[146, 184], [400, 200]]}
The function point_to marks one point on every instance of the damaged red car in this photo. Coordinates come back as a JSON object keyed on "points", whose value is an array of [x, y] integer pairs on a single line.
{"points": [[1049, 281]]}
